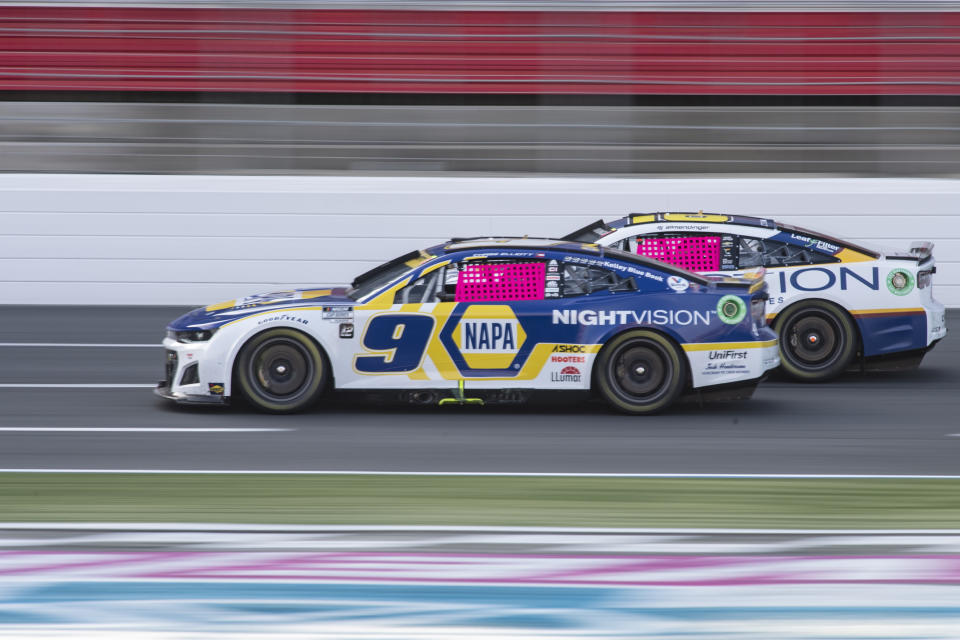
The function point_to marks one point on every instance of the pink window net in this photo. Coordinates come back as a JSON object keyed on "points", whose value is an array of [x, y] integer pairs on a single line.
{"points": [[501, 281], [696, 253]]}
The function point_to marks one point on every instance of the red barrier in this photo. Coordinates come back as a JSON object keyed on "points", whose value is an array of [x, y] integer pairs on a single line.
{"points": [[43, 48]]}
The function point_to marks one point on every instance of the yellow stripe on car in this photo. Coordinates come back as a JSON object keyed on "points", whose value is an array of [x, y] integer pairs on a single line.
{"points": [[849, 255], [695, 217], [716, 346], [220, 306], [315, 293], [886, 312]]}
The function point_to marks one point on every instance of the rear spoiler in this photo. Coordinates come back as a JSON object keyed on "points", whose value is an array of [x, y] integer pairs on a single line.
{"points": [[922, 250], [589, 233]]}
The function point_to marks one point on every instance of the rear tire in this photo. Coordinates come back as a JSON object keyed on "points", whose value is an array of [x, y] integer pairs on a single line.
{"points": [[281, 371], [640, 372], [817, 341]]}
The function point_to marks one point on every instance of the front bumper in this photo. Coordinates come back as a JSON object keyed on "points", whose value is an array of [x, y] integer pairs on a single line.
{"points": [[191, 375], [163, 390]]}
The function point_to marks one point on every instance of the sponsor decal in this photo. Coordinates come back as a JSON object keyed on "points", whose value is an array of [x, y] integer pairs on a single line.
{"points": [[823, 278], [677, 283], [569, 348], [216, 388], [481, 336], [728, 354], [283, 316], [731, 309], [568, 359], [900, 282], [489, 337], [679, 317], [814, 243], [338, 313], [567, 374], [346, 330], [682, 227], [715, 368], [616, 266]]}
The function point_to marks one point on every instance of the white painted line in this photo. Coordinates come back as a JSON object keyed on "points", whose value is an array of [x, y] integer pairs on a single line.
{"points": [[71, 385], [494, 474], [145, 429], [346, 528], [76, 344]]}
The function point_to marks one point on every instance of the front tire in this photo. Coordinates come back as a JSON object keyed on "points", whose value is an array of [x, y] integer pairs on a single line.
{"points": [[640, 372], [281, 371], [817, 341]]}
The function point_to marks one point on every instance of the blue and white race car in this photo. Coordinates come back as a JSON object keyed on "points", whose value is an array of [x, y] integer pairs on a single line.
{"points": [[490, 317], [834, 304]]}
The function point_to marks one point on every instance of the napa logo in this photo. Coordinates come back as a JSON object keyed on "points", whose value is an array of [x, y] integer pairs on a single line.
{"points": [[483, 336], [489, 337]]}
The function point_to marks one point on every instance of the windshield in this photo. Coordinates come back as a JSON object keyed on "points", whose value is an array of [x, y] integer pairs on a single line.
{"points": [[370, 281]]}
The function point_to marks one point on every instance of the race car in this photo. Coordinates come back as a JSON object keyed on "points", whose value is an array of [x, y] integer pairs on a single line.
{"points": [[834, 304], [482, 320]]}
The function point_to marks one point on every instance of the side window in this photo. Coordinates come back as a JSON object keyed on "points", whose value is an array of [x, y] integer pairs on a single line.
{"points": [[783, 254], [579, 280], [497, 281], [693, 251], [751, 253], [424, 289]]}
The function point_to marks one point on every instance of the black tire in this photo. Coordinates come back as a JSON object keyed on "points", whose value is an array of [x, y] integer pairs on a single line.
{"points": [[640, 372], [281, 371], [818, 340]]}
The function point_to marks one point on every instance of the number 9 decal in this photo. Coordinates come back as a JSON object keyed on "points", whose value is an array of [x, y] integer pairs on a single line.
{"points": [[403, 336]]}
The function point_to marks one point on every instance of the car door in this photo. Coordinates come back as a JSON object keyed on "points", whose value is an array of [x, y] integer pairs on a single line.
{"points": [[502, 309], [459, 319]]}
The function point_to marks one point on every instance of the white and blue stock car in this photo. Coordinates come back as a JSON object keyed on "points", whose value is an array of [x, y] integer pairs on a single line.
{"points": [[834, 304], [497, 316]]}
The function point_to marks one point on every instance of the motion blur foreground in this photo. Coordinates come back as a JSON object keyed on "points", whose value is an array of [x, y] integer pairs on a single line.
{"points": [[180, 152]]}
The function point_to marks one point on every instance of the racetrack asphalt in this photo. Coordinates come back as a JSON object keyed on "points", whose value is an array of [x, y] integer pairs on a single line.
{"points": [[905, 423]]}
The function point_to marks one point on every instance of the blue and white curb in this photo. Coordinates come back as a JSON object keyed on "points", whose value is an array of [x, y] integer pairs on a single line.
{"points": [[78, 582]]}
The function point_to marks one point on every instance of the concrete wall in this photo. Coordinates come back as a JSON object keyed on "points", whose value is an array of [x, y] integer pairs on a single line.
{"points": [[99, 239]]}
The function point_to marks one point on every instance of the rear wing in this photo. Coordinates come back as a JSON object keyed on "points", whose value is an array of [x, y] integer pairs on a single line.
{"points": [[922, 250], [589, 233]]}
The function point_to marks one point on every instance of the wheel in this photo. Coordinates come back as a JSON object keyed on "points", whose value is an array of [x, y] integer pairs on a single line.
{"points": [[817, 341], [281, 371], [640, 372]]}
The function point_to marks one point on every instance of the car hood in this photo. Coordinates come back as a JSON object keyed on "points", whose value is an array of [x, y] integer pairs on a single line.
{"points": [[223, 312]]}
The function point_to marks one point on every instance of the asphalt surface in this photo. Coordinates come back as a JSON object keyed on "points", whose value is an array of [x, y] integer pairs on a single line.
{"points": [[889, 423]]}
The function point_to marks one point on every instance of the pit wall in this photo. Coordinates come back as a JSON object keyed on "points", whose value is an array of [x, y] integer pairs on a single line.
{"points": [[147, 239]]}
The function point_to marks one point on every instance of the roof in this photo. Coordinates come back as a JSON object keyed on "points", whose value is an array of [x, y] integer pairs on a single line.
{"points": [[700, 216]]}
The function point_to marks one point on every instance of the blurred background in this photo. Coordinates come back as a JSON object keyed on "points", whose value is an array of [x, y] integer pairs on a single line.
{"points": [[298, 143], [612, 87]]}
